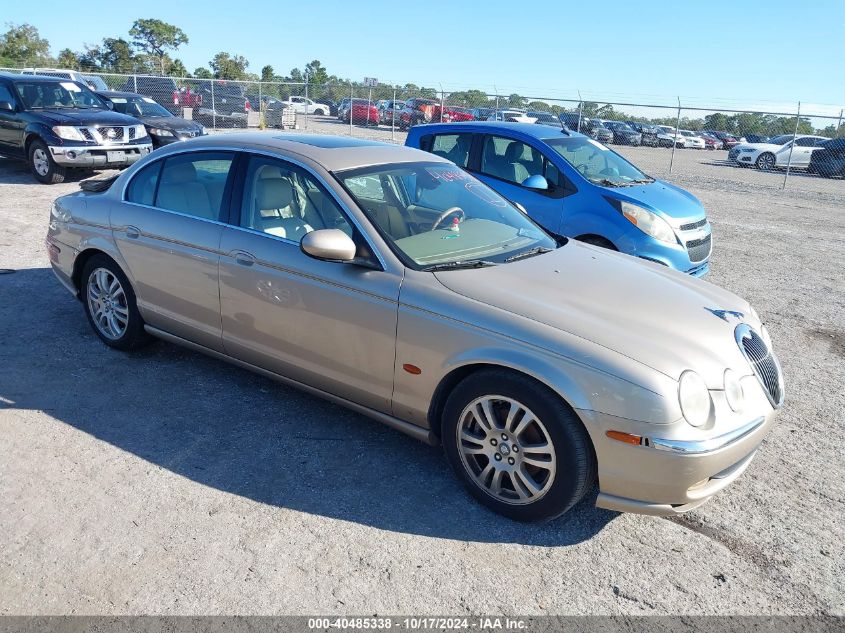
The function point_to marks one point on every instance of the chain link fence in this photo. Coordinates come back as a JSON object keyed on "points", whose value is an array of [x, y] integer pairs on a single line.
{"points": [[780, 139]]}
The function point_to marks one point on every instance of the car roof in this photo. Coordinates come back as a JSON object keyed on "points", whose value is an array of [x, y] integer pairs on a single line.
{"points": [[539, 132], [335, 153]]}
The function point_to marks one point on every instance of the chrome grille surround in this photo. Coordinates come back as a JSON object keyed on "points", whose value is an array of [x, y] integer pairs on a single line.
{"points": [[693, 225], [108, 134], [763, 361]]}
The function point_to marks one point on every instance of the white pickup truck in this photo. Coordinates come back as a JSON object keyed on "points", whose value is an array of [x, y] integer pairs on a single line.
{"points": [[303, 105]]}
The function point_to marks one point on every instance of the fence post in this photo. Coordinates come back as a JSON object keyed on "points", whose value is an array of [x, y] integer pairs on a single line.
{"points": [[791, 147], [675, 140], [262, 122], [351, 98], [580, 104], [306, 103], [393, 117], [213, 107], [838, 125], [442, 100], [135, 83]]}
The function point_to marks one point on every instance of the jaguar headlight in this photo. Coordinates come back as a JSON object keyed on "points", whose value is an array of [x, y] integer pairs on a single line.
{"points": [[733, 391], [647, 222], [694, 398]]}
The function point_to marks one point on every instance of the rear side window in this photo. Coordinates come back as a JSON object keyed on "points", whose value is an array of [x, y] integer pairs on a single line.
{"points": [[142, 189], [454, 147], [193, 184]]}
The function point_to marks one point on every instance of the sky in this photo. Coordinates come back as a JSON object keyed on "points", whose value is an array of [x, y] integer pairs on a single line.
{"points": [[751, 54]]}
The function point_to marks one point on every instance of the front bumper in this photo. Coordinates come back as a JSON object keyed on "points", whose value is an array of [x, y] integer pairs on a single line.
{"points": [[99, 155], [676, 256], [664, 476]]}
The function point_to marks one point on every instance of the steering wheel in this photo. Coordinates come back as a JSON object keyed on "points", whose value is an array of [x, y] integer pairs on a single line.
{"points": [[582, 169], [445, 215]]}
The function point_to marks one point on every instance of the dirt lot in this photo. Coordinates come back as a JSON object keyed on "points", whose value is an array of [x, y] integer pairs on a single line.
{"points": [[168, 483]]}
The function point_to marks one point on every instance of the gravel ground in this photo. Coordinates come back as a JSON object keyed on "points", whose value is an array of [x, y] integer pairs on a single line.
{"points": [[165, 482]]}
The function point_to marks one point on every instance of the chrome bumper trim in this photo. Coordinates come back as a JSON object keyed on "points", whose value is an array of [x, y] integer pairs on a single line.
{"points": [[88, 155], [701, 447]]}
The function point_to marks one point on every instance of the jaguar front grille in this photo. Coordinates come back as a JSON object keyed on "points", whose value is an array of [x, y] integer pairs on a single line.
{"points": [[762, 361]]}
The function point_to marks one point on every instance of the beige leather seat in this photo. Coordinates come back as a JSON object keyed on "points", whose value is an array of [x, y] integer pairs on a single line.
{"points": [[273, 210], [180, 191]]}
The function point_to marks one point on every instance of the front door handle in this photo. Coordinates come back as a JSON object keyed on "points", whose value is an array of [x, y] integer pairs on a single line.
{"points": [[243, 258], [133, 232]]}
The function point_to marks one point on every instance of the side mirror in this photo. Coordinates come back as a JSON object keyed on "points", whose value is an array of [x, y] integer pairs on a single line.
{"points": [[328, 244], [8, 106], [536, 182], [521, 208]]}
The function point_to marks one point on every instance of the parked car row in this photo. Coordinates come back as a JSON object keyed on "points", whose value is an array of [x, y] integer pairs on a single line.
{"points": [[780, 151], [391, 281]]}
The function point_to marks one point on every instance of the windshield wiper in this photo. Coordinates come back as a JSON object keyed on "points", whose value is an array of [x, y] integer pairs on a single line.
{"points": [[467, 263], [642, 181], [539, 250], [610, 183]]}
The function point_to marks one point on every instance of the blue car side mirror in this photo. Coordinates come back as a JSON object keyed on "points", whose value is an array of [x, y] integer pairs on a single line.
{"points": [[536, 182]]}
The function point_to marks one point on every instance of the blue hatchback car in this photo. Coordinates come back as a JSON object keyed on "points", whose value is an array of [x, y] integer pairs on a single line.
{"points": [[573, 185]]}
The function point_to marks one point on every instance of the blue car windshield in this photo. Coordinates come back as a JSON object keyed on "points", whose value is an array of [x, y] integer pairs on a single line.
{"points": [[597, 163]]}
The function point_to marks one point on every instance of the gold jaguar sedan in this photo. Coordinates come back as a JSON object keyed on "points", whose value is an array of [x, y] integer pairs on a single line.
{"points": [[390, 281]]}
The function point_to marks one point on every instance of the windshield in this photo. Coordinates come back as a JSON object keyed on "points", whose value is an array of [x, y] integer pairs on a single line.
{"points": [[37, 95], [138, 106], [95, 82], [597, 163], [436, 213]]}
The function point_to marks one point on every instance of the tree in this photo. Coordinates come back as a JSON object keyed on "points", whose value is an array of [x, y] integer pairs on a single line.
{"points": [[68, 59], [23, 43], [114, 54], [227, 67], [155, 38], [296, 75], [203, 73], [315, 73], [267, 73], [177, 69]]}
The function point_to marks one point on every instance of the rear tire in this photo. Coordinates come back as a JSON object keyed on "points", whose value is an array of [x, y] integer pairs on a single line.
{"points": [[110, 305], [765, 161], [43, 167], [531, 459]]}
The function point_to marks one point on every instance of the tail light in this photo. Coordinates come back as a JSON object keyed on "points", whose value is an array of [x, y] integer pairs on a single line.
{"points": [[247, 106], [175, 97]]}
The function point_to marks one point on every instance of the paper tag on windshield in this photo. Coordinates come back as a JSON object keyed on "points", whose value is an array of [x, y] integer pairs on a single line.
{"points": [[148, 100], [70, 87]]}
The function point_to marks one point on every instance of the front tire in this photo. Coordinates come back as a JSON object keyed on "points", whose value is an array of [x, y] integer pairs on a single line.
{"points": [[110, 305], [765, 162], [516, 446], [43, 167]]}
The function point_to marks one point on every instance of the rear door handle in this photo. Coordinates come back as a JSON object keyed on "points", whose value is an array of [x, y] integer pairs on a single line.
{"points": [[244, 258], [133, 232]]}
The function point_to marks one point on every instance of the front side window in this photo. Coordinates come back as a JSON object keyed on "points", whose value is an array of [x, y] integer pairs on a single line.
{"points": [[436, 213], [194, 183], [285, 201], [597, 163], [510, 160], [453, 147], [6, 94]]}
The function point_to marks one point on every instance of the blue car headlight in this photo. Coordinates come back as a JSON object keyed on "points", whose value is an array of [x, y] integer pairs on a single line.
{"points": [[649, 223]]}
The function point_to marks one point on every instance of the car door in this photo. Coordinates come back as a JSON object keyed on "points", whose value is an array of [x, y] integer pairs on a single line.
{"points": [[803, 150], [11, 123], [505, 163], [168, 232], [329, 325]]}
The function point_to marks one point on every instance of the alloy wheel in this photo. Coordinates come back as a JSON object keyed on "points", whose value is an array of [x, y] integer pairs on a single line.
{"points": [[40, 161], [506, 449], [107, 303]]}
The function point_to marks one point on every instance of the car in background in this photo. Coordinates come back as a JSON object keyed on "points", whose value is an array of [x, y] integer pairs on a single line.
{"points": [[594, 128], [162, 126], [391, 282], [829, 159], [623, 134], [388, 112], [56, 124], [649, 134], [545, 118], [576, 187], [513, 116], [755, 138], [692, 140], [728, 140], [164, 91], [332, 105], [94, 82], [303, 105], [453, 114], [342, 107], [417, 111], [224, 104], [710, 141], [671, 136], [361, 112], [780, 151], [482, 114]]}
